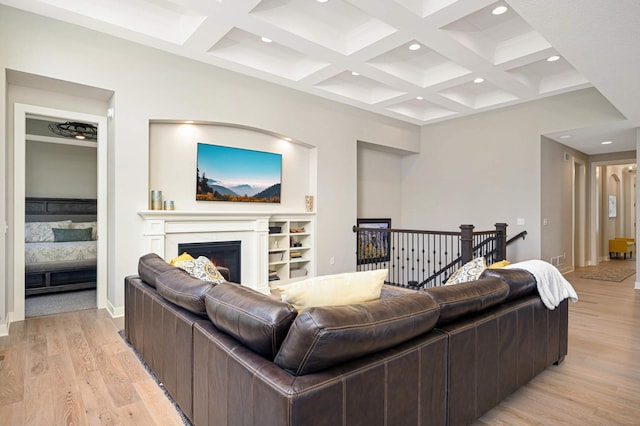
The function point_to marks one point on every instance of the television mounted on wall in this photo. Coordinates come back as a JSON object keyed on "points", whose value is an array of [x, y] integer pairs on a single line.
{"points": [[231, 174]]}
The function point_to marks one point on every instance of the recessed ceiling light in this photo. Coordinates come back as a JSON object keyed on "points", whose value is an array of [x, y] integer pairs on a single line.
{"points": [[479, 80], [188, 122], [322, 1], [419, 98], [553, 58], [355, 73], [415, 46], [565, 137], [606, 143], [266, 40], [499, 10]]}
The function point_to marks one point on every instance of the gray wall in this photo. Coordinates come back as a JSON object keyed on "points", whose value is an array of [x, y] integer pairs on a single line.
{"points": [[487, 168], [57, 170]]}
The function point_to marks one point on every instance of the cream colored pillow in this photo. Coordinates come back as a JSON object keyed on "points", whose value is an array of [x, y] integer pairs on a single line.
{"points": [[334, 290]]}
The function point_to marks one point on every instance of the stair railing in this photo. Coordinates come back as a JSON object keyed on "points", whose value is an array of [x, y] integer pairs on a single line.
{"points": [[419, 259]]}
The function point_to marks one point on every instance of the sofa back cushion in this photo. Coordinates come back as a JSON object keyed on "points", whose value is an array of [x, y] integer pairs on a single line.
{"points": [[258, 321], [325, 336], [150, 266], [180, 288], [521, 283], [467, 298]]}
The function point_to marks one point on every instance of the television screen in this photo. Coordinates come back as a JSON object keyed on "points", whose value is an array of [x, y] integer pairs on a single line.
{"points": [[241, 175]]}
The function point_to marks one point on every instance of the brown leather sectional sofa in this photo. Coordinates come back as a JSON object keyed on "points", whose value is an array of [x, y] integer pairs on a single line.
{"points": [[231, 356]]}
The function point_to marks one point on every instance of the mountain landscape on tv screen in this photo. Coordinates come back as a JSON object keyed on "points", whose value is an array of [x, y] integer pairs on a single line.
{"points": [[212, 190]]}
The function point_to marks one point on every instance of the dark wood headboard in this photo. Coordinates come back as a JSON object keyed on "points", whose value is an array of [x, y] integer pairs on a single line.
{"points": [[51, 209]]}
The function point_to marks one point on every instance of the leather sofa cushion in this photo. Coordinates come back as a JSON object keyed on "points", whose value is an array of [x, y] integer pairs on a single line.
{"points": [[325, 336], [258, 321], [521, 283], [180, 288], [150, 266], [467, 298]]}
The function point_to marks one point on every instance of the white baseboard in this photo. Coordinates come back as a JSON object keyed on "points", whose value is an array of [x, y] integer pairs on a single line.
{"points": [[115, 311], [4, 327]]}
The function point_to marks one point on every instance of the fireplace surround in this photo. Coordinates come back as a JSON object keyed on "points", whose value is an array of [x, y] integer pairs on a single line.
{"points": [[164, 230]]}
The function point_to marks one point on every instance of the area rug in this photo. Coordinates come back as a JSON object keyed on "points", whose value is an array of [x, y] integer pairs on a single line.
{"points": [[610, 274], [57, 303], [184, 418]]}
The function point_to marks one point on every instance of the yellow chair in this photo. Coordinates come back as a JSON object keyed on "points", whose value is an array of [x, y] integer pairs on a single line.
{"points": [[622, 246]]}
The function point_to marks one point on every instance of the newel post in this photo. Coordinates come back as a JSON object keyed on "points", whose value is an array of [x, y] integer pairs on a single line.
{"points": [[466, 242], [501, 241]]}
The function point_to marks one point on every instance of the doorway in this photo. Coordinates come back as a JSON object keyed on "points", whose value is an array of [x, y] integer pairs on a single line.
{"points": [[611, 178], [21, 113]]}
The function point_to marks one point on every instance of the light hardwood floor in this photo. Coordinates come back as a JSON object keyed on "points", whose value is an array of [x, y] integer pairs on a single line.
{"points": [[75, 369], [599, 381]]}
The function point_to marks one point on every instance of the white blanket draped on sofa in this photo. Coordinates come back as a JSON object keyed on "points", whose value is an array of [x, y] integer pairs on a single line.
{"points": [[552, 286]]}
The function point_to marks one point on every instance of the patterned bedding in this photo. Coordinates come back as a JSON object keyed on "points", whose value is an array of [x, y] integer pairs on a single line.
{"points": [[74, 252]]}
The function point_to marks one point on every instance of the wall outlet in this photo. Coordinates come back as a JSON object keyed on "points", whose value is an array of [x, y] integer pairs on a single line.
{"points": [[332, 260], [520, 221]]}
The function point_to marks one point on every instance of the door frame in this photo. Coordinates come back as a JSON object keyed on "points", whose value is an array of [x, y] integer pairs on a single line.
{"points": [[21, 113]]}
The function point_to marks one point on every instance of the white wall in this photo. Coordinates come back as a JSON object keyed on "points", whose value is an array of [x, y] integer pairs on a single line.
{"points": [[152, 85], [172, 165], [57, 170], [379, 178], [486, 168]]}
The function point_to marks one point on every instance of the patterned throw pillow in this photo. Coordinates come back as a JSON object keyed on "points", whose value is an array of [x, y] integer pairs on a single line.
{"points": [[470, 271], [42, 232], [201, 268]]}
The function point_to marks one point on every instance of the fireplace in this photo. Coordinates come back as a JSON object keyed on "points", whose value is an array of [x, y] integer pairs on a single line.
{"points": [[222, 253]]}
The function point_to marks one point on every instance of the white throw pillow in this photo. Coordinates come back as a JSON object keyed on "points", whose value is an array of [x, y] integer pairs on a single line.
{"points": [[334, 290]]}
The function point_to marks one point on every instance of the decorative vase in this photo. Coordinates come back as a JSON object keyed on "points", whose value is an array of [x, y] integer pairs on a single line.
{"points": [[156, 200], [308, 202]]}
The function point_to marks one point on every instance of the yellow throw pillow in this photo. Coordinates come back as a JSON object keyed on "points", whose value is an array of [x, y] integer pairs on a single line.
{"points": [[470, 271], [183, 256], [334, 290], [500, 264]]}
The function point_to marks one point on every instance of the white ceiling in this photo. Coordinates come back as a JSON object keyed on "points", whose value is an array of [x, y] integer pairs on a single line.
{"points": [[316, 47]]}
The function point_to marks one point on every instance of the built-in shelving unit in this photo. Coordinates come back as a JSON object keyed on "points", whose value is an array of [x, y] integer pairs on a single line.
{"points": [[291, 249]]}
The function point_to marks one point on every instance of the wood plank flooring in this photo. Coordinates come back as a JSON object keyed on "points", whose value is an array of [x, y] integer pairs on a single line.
{"points": [[74, 369], [599, 381]]}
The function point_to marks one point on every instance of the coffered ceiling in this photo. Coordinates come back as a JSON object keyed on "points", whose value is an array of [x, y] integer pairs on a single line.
{"points": [[419, 61]]}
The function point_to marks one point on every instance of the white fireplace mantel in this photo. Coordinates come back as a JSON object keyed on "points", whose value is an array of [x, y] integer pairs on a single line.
{"points": [[165, 229]]}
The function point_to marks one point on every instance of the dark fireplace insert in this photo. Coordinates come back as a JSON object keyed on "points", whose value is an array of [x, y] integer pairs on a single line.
{"points": [[221, 253]]}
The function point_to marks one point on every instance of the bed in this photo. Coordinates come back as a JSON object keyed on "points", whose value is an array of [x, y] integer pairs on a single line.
{"points": [[60, 244]]}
